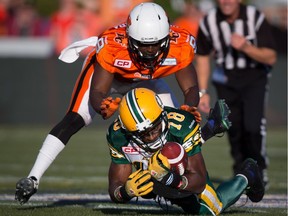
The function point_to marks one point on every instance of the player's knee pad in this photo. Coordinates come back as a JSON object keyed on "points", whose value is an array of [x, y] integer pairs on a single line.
{"points": [[69, 125]]}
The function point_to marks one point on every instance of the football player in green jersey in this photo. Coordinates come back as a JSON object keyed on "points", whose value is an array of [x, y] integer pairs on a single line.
{"points": [[135, 139]]}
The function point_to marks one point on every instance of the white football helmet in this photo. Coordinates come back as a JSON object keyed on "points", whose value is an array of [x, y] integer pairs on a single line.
{"points": [[148, 35]]}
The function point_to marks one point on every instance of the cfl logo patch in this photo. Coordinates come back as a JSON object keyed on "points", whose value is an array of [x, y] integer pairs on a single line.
{"points": [[122, 63]]}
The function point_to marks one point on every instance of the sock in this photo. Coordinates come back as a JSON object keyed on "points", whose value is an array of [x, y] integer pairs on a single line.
{"points": [[207, 131], [51, 147], [230, 191]]}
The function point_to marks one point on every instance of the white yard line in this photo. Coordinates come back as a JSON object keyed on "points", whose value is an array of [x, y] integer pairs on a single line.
{"points": [[103, 200]]}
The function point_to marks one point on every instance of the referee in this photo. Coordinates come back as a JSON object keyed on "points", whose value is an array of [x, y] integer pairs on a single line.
{"points": [[239, 38]]}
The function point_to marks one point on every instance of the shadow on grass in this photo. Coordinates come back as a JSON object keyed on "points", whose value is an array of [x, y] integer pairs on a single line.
{"points": [[105, 206]]}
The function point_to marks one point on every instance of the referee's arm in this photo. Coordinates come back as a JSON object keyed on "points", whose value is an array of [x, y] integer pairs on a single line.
{"points": [[263, 55]]}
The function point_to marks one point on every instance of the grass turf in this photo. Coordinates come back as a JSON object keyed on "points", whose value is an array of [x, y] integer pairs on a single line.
{"points": [[83, 166]]}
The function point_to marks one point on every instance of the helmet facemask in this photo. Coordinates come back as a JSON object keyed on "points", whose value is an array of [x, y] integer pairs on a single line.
{"points": [[148, 59], [161, 126], [148, 32], [142, 116]]}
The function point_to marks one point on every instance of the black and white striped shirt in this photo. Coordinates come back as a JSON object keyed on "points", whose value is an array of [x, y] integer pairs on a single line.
{"points": [[215, 33]]}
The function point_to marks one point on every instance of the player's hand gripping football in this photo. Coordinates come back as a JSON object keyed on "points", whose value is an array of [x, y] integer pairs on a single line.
{"points": [[139, 184], [192, 110], [160, 169], [109, 106], [158, 166]]}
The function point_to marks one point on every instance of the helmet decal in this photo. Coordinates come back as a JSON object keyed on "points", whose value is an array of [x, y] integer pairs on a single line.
{"points": [[129, 21], [141, 122], [134, 107]]}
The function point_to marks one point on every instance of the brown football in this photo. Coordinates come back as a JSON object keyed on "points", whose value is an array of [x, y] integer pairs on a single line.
{"points": [[177, 157]]}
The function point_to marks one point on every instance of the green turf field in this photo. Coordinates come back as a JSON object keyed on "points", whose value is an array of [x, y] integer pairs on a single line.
{"points": [[82, 169]]}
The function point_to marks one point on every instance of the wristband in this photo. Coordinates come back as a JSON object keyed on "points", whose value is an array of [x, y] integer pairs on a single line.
{"points": [[183, 183], [202, 92], [172, 180], [117, 194], [124, 195]]}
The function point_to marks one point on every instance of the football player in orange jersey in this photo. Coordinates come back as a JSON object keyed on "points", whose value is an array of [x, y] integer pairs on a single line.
{"points": [[135, 54], [140, 52]]}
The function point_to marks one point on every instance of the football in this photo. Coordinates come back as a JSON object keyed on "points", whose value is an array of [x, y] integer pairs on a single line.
{"points": [[177, 157]]}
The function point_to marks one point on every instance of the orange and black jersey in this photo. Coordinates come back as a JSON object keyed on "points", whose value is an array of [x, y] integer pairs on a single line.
{"points": [[112, 54]]}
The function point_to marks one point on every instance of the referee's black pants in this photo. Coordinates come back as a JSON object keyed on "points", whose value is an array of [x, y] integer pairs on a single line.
{"points": [[247, 136]]}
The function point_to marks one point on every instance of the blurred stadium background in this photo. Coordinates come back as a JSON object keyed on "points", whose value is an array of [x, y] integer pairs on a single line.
{"points": [[35, 86], [35, 89]]}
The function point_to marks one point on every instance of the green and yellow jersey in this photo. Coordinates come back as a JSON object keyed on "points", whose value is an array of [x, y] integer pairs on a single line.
{"points": [[182, 128]]}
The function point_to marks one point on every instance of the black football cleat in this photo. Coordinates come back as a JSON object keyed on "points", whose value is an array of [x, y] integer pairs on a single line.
{"points": [[25, 188], [218, 117], [255, 190], [217, 121]]}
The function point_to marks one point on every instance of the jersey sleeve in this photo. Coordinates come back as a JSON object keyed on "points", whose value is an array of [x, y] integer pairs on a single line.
{"points": [[111, 45], [116, 140], [182, 46], [265, 37], [104, 55], [185, 130]]}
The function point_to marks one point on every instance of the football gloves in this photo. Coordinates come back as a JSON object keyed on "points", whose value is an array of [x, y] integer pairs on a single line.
{"points": [[158, 166], [138, 184], [192, 110], [109, 106]]}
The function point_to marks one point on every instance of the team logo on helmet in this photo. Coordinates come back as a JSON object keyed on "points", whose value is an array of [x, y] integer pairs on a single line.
{"points": [[128, 21]]}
